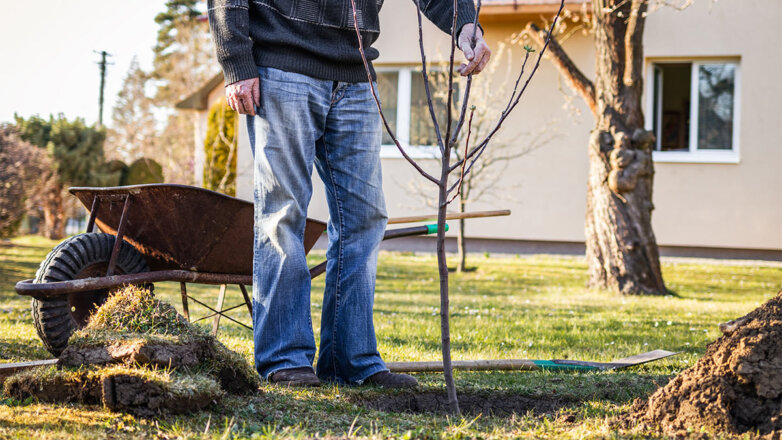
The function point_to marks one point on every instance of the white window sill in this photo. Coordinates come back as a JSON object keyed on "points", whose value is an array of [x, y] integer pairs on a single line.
{"points": [[695, 156], [414, 151]]}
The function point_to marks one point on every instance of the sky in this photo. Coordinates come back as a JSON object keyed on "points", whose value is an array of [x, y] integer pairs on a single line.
{"points": [[47, 59]]}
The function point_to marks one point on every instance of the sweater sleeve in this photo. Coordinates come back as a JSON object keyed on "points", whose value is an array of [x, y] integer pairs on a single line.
{"points": [[229, 21], [440, 12]]}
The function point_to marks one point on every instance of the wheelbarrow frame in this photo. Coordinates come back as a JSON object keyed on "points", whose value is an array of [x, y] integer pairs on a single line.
{"points": [[172, 269]]}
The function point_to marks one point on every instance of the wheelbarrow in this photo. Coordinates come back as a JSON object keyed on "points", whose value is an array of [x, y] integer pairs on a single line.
{"points": [[155, 233]]}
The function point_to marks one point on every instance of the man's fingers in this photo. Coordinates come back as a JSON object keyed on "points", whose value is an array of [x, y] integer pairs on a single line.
{"points": [[468, 69], [482, 56], [244, 96], [231, 98], [485, 57], [468, 52], [256, 90], [245, 101]]}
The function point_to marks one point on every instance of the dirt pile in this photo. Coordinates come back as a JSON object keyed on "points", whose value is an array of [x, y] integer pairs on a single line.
{"points": [[736, 387], [137, 354]]}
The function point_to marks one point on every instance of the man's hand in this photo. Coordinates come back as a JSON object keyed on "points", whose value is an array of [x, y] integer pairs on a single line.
{"points": [[243, 96], [478, 55]]}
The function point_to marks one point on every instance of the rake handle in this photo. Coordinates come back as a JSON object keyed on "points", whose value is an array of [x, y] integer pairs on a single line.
{"points": [[454, 216]]}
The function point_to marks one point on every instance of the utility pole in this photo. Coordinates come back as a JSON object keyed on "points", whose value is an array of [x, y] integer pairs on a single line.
{"points": [[102, 63]]}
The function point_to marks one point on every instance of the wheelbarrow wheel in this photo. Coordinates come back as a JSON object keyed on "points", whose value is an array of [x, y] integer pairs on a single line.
{"points": [[81, 256]]}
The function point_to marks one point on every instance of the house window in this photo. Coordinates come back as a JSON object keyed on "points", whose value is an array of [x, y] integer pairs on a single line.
{"points": [[693, 109], [403, 96]]}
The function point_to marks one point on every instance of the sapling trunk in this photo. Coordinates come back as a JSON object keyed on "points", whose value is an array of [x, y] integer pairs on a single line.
{"points": [[442, 263]]}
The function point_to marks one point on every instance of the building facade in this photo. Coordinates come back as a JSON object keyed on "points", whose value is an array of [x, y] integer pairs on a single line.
{"points": [[712, 97]]}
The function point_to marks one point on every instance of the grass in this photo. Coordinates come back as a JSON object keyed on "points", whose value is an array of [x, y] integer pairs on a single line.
{"points": [[510, 307]]}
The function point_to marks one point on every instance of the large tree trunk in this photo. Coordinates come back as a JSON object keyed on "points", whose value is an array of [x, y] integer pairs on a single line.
{"points": [[621, 248], [54, 213]]}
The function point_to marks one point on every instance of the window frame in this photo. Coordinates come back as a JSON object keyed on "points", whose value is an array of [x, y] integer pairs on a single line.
{"points": [[404, 93], [694, 155]]}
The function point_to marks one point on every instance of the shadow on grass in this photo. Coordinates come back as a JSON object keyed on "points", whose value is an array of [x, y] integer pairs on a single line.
{"points": [[19, 351], [472, 402]]}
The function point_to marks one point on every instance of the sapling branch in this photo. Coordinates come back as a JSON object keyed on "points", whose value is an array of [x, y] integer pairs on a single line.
{"points": [[502, 115], [426, 80], [466, 147], [507, 112], [450, 79], [379, 107], [468, 86]]}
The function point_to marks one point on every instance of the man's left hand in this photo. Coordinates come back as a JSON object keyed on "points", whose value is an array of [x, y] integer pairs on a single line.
{"points": [[477, 55]]}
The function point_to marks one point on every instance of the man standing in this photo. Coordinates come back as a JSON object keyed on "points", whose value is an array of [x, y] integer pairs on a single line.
{"points": [[293, 66]]}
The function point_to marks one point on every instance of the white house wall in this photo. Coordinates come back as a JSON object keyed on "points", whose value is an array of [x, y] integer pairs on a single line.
{"points": [[726, 205], [736, 205]]}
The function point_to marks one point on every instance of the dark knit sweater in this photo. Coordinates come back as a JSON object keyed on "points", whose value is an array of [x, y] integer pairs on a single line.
{"points": [[311, 37]]}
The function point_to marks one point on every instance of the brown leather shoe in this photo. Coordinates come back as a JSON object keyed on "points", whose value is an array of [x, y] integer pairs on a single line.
{"points": [[387, 379], [295, 377]]}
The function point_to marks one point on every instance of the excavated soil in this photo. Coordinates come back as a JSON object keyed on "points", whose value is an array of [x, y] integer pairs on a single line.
{"points": [[126, 392], [137, 352], [131, 391], [54, 388], [471, 403], [735, 388]]}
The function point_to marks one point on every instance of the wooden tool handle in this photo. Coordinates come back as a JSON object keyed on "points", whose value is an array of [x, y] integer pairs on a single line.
{"points": [[454, 216]]}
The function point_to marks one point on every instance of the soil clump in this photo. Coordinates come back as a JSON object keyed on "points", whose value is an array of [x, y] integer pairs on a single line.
{"points": [[735, 388], [138, 355]]}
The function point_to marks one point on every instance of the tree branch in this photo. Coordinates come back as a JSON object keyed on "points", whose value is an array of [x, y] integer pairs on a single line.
{"points": [[633, 44], [463, 112], [478, 150], [466, 148], [565, 65], [440, 142], [377, 102], [449, 115]]}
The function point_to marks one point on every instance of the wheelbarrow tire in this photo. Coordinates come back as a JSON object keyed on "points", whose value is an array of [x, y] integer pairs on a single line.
{"points": [[80, 256]]}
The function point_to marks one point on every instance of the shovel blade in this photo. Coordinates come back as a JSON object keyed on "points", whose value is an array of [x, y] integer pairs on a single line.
{"points": [[629, 361]]}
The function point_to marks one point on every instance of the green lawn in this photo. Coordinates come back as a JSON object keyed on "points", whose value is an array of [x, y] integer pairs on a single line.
{"points": [[510, 307]]}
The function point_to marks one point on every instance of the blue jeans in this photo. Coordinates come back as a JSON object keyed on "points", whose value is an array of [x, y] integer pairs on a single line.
{"points": [[335, 126]]}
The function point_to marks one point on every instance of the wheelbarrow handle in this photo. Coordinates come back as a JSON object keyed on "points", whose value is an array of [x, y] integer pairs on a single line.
{"points": [[453, 216]]}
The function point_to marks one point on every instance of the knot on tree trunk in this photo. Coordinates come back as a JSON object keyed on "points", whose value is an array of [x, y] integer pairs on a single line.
{"points": [[629, 159]]}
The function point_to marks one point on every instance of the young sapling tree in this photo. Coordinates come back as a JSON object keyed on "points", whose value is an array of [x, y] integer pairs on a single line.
{"points": [[449, 189]]}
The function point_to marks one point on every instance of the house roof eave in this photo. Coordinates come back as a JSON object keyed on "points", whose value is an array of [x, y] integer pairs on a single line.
{"points": [[497, 11], [199, 99]]}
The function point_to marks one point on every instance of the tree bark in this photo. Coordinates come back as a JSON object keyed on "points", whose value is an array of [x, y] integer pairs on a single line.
{"points": [[442, 264], [621, 247], [461, 265], [54, 213]]}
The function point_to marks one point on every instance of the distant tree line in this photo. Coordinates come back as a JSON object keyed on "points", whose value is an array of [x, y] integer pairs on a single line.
{"points": [[40, 158]]}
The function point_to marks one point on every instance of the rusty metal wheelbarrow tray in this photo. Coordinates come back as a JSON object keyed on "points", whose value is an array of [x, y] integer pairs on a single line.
{"points": [[180, 227], [184, 233]]}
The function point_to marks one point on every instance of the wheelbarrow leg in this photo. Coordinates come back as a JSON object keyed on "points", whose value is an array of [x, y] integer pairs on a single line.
{"points": [[218, 310], [185, 310], [247, 299], [93, 214], [120, 236]]}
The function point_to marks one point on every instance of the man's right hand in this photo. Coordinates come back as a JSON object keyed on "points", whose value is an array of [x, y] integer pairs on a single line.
{"points": [[243, 96]]}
